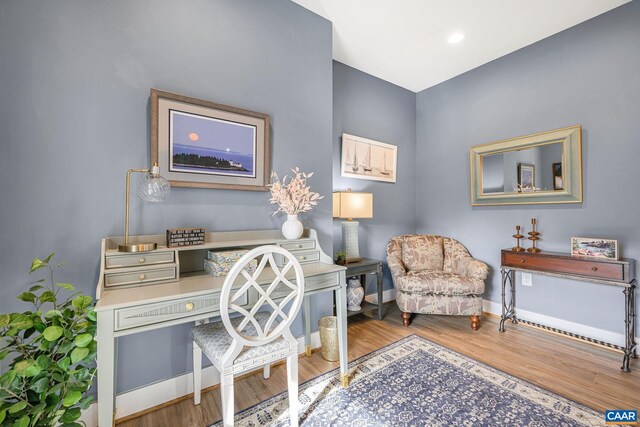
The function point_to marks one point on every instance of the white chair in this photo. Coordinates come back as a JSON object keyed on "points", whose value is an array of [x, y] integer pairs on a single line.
{"points": [[240, 344]]}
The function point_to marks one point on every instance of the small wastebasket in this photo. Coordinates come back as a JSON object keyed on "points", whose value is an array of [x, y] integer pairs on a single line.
{"points": [[329, 338]]}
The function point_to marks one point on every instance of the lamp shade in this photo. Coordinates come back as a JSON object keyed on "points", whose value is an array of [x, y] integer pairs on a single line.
{"points": [[348, 204]]}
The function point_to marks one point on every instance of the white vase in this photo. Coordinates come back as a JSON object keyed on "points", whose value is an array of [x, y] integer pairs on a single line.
{"points": [[292, 227], [355, 294]]}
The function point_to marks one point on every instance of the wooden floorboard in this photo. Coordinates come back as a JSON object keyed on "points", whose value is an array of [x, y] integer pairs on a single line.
{"points": [[585, 373]]}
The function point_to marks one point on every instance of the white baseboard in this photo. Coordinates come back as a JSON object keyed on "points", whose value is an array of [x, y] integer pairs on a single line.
{"points": [[576, 328], [158, 393], [388, 295]]}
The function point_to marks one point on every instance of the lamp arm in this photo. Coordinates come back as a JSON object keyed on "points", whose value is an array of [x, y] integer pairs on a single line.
{"points": [[126, 210]]}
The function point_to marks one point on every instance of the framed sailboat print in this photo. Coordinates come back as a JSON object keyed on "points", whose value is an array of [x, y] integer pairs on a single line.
{"points": [[364, 158]]}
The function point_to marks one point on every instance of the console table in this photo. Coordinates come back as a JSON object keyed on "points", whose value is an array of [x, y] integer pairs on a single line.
{"points": [[362, 268], [619, 273], [139, 292]]}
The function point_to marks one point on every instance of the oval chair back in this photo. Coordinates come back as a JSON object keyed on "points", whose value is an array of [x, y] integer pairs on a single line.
{"points": [[250, 331]]}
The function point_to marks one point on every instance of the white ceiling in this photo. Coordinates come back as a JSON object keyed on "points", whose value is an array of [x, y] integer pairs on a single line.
{"points": [[405, 41]]}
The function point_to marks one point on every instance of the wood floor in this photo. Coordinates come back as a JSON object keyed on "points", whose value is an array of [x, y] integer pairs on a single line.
{"points": [[574, 369]]}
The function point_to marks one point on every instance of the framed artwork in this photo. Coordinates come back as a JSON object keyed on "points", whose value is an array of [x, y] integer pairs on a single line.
{"points": [[202, 144], [558, 184], [368, 159], [594, 248], [526, 175]]}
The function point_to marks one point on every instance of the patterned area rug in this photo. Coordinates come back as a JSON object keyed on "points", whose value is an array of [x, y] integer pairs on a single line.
{"points": [[415, 382]]}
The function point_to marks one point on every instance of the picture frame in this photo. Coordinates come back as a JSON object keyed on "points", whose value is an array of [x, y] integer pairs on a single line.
{"points": [[558, 183], [364, 158], [203, 144], [526, 175], [594, 248]]}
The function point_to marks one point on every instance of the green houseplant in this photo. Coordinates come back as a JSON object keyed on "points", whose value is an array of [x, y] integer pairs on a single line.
{"points": [[52, 352]]}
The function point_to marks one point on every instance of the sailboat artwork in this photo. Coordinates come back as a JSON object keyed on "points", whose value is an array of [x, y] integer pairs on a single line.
{"points": [[368, 159]]}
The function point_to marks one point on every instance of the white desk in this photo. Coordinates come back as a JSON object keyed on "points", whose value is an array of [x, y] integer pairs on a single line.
{"points": [[152, 290]]}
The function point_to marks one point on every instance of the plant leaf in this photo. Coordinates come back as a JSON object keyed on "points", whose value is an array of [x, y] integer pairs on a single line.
{"points": [[52, 333], [82, 301], [70, 415], [67, 286], [35, 288], [72, 398], [27, 297], [47, 296], [40, 385], [44, 361], [4, 320], [52, 313], [36, 264], [83, 340], [22, 321], [78, 354], [85, 402], [23, 422], [17, 407], [3, 414], [64, 363], [4, 353]]}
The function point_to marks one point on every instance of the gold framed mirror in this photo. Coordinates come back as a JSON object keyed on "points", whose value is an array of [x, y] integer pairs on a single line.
{"points": [[544, 167]]}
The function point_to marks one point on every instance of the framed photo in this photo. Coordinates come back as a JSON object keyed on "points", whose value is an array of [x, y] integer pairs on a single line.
{"points": [[594, 248], [202, 144], [558, 184], [526, 175], [368, 159]]}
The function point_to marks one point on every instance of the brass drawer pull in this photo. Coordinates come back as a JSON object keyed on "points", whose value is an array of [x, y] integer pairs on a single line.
{"points": [[299, 246], [141, 260], [594, 268], [188, 306], [303, 258], [142, 277], [522, 260]]}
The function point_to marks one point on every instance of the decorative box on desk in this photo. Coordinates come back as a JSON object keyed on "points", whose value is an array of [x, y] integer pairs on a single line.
{"points": [[595, 270]]}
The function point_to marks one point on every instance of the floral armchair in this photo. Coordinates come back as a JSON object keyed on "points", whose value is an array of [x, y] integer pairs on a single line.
{"points": [[436, 275]]}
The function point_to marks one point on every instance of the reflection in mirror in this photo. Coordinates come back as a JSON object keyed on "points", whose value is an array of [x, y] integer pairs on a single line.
{"points": [[537, 168]]}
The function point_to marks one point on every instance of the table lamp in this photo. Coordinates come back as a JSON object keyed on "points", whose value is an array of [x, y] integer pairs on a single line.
{"points": [[152, 188], [350, 205]]}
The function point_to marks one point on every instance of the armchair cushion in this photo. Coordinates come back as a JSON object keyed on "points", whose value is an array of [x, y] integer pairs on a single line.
{"points": [[439, 283], [422, 252]]}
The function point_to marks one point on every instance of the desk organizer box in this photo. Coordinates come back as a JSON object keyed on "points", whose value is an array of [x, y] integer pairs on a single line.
{"points": [[218, 263]]}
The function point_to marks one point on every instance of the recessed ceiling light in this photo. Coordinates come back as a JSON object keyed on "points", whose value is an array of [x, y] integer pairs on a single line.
{"points": [[455, 38]]}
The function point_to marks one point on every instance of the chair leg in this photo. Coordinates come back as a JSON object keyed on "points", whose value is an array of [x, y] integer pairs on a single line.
{"points": [[266, 372], [475, 322], [292, 381], [406, 318], [197, 373], [226, 392]]}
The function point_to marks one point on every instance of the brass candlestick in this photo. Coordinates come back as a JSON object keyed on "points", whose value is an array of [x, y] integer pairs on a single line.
{"points": [[518, 236], [534, 237]]}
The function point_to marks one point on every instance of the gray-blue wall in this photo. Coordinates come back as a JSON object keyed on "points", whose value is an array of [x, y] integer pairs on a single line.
{"points": [[74, 83], [585, 75], [366, 106]]}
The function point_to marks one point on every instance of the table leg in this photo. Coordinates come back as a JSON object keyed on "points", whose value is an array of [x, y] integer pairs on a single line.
{"points": [[306, 313], [629, 323], [512, 284], [379, 280], [504, 300], [106, 369], [341, 312]]}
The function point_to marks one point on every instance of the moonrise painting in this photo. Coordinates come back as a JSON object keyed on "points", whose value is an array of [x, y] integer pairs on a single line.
{"points": [[205, 145]]}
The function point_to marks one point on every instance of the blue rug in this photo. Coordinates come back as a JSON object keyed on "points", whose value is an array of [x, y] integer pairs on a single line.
{"points": [[415, 382]]}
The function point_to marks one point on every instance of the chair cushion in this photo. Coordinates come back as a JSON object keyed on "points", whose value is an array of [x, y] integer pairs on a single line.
{"points": [[214, 340], [422, 252], [439, 283]]}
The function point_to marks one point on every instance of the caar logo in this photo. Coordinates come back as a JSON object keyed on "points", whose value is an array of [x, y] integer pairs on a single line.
{"points": [[621, 416]]}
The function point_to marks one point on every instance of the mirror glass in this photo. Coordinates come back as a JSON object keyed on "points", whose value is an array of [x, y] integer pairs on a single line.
{"points": [[544, 167], [523, 170]]}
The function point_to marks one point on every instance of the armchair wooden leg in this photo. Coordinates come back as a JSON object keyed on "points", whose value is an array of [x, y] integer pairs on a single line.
{"points": [[406, 318], [475, 322]]}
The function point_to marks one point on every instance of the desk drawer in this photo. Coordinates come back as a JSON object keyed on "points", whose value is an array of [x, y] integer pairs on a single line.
{"points": [[140, 277], [149, 314], [297, 245], [578, 266], [132, 260], [303, 257]]}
